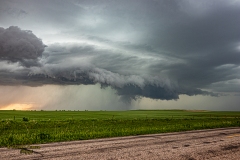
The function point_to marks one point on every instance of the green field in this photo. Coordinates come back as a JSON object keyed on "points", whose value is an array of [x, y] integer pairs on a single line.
{"points": [[33, 127]]}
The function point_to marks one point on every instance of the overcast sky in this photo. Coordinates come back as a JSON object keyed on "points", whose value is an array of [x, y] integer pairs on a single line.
{"points": [[120, 54]]}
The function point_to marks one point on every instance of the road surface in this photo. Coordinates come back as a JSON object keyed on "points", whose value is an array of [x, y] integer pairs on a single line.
{"points": [[212, 144]]}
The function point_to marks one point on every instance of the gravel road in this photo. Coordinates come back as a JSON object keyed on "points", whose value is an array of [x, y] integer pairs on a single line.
{"points": [[212, 144]]}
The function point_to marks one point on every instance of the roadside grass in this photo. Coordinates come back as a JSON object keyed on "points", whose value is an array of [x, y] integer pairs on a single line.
{"points": [[35, 127]]}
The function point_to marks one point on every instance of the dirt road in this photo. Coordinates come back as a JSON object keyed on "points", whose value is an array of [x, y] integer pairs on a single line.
{"points": [[203, 144]]}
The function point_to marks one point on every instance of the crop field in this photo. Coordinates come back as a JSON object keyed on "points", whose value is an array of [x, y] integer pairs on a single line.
{"points": [[34, 127]]}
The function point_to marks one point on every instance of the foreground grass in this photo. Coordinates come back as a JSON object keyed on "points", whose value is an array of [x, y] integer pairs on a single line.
{"points": [[33, 127]]}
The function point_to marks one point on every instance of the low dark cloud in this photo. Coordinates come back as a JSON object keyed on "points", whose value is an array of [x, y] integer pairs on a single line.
{"points": [[18, 45], [74, 64]]}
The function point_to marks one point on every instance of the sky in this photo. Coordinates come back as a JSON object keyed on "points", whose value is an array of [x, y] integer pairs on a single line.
{"points": [[120, 55]]}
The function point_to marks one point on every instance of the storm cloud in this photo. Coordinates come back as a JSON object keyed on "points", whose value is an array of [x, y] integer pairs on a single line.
{"points": [[156, 49], [18, 45]]}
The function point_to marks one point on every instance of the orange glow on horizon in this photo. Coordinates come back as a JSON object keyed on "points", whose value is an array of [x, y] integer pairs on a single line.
{"points": [[17, 106]]}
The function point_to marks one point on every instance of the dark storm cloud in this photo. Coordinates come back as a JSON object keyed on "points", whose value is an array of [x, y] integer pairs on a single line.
{"points": [[18, 45], [205, 39], [132, 86], [156, 49], [72, 65]]}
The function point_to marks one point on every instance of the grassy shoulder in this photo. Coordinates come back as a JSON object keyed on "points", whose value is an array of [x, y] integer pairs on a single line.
{"points": [[33, 127]]}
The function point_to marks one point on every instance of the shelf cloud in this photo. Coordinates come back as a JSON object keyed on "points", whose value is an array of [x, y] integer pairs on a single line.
{"points": [[156, 49]]}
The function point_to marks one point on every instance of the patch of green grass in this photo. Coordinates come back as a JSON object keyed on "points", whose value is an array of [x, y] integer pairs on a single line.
{"points": [[83, 115], [56, 126]]}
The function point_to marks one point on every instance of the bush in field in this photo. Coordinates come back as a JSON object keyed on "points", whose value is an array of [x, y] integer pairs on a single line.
{"points": [[43, 136], [25, 119]]}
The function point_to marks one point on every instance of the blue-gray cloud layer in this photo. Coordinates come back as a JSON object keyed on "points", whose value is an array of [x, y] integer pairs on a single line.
{"points": [[150, 48]]}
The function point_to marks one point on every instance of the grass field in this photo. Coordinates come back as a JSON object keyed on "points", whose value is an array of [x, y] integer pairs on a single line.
{"points": [[32, 127]]}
